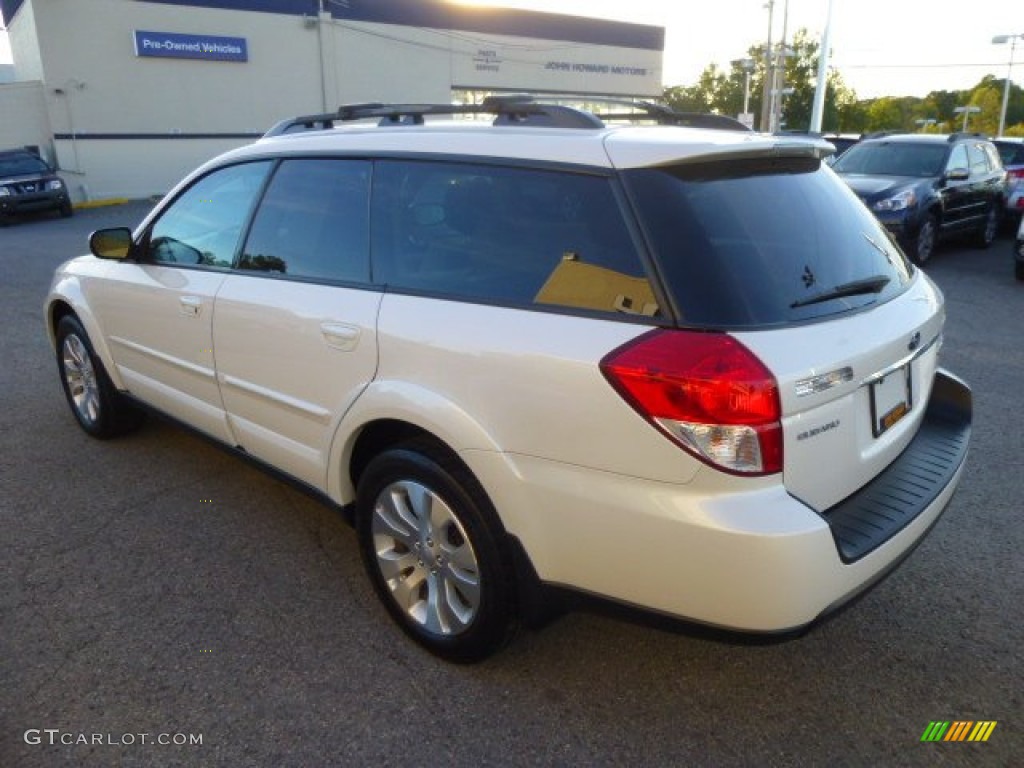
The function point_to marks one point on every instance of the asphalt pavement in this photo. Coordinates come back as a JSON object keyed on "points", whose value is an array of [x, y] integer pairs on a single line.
{"points": [[164, 603]]}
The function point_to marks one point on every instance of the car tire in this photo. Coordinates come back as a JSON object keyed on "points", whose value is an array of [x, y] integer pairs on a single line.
{"points": [[924, 243], [97, 406], [989, 228], [435, 552], [1018, 269], [66, 211]]}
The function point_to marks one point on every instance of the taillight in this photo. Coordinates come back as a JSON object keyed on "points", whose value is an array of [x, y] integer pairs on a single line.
{"points": [[1016, 173], [708, 392]]}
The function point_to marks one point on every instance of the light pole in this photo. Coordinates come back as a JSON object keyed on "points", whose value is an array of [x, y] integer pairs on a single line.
{"points": [[967, 112], [747, 65], [1012, 40]]}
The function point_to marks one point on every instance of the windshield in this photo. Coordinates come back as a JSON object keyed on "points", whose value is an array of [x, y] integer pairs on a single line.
{"points": [[884, 158], [757, 243], [22, 165]]}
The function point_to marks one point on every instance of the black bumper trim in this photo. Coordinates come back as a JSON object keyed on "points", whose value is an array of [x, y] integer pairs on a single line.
{"points": [[908, 486]]}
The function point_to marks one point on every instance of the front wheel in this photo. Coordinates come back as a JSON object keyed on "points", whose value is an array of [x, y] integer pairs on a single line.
{"points": [[924, 243], [435, 552], [99, 408]]}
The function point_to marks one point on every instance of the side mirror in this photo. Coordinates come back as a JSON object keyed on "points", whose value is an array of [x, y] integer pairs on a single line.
{"points": [[114, 243], [957, 174]]}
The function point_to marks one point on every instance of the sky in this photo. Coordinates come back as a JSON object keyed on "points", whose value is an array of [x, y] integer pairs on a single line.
{"points": [[880, 47]]}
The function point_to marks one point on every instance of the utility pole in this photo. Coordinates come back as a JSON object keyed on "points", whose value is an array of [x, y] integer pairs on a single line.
{"points": [[769, 72], [779, 75], [818, 109]]}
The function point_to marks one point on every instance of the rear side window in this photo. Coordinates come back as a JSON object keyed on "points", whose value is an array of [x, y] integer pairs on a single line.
{"points": [[313, 222], [506, 235], [758, 243]]}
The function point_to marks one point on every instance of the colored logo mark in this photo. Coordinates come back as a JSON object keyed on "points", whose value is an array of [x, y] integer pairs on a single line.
{"points": [[959, 730]]}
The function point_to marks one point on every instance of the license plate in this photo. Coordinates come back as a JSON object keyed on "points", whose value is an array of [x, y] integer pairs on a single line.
{"points": [[891, 399]]}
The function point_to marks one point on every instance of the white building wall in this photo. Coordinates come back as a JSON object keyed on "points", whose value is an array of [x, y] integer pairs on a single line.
{"points": [[177, 113], [24, 120]]}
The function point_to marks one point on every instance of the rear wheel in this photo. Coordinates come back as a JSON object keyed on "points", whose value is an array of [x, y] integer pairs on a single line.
{"points": [[66, 211], [435, 552], [924, 243], [989, 227], [1018, 269], [99, 408]]}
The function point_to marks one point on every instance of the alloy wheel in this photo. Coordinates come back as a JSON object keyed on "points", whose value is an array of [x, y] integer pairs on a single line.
{"points": [[425, 558], [80, 377]]}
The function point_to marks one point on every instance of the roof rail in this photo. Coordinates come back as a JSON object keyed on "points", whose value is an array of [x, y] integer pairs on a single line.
{"points": [[661, 114], [510, 109], [515, 109]]}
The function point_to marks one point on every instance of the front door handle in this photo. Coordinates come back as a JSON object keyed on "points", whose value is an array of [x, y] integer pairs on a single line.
{"points": [[191, 305], [340, 335]]}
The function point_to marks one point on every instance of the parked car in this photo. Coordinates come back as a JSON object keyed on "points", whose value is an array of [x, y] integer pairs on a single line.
{"points": [[1011, 152], [926, 187], [28, 183], [679, 368], [1018, 252]]}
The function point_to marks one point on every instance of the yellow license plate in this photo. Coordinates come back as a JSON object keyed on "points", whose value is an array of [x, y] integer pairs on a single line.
{"points": [[891, 399]]}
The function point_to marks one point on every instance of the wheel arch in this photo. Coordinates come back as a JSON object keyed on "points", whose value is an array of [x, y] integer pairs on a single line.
{"points": [[71, 302], [391, 412], [537, 604]]}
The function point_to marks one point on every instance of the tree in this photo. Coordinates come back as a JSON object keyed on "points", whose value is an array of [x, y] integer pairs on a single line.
{"points": [[722, 92]]}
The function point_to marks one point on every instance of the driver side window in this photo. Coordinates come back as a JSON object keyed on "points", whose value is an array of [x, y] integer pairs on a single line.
{"points": [[958, 159], [203, 225]]}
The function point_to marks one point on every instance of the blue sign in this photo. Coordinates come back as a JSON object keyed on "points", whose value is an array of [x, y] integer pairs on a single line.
{"points": [[178, 46]]}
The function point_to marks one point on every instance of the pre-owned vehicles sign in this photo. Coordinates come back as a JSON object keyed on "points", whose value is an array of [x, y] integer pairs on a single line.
{"points": [[176, 45]]}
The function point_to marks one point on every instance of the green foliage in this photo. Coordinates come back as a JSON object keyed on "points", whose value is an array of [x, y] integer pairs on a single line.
{"points": [[722, 92]]}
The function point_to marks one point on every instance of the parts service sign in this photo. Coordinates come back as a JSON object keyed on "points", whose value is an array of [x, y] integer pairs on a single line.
{"points": [[178, 46]]}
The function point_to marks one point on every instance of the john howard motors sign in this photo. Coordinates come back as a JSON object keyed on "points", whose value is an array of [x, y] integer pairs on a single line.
{"points": [[178, 46]]}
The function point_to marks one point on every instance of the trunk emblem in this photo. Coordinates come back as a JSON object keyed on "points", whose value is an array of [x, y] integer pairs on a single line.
{"points": [[824, 382], [915, 341]]}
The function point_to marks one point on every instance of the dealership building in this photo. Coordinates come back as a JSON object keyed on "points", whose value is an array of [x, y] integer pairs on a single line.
{"points": [[125, 96]]}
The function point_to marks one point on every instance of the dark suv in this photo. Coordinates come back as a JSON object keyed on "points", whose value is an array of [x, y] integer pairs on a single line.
{"points": [[926, 187], [27, 183]]}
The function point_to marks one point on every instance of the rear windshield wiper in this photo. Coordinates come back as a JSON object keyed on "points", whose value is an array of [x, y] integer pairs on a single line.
{"points": [[855, 288]]}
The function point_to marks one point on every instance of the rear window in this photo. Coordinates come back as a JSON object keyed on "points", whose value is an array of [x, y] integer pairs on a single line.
{"points": [[758, 243]]}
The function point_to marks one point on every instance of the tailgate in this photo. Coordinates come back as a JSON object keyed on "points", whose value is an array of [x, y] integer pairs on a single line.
{"points": [[854, 391]]}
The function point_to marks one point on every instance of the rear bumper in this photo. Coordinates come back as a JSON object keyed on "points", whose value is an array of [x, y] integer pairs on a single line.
{"points": [[908, 486], [738, 555]]}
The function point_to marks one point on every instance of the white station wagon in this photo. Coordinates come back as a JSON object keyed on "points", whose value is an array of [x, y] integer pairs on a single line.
{"points": [[677, 367]]}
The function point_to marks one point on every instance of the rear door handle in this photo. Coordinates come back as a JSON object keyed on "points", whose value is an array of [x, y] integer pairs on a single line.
{"points": [[340, 335], [191, 305]]}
